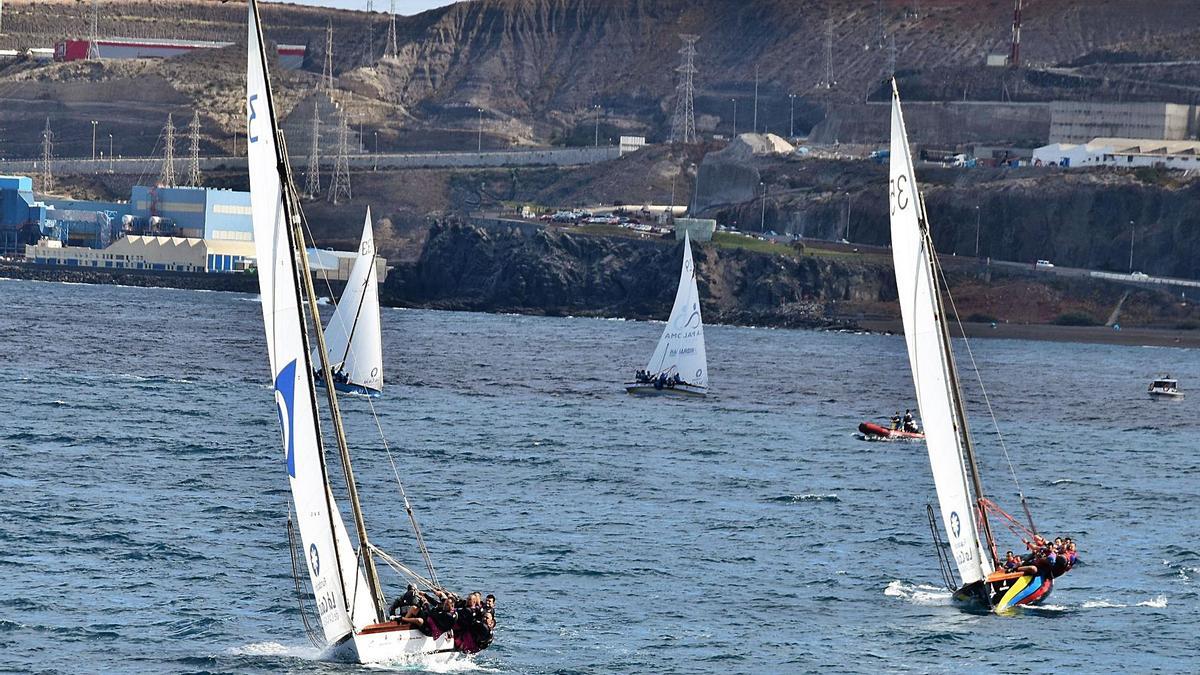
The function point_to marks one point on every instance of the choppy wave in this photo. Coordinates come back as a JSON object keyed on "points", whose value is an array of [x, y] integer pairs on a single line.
{"points": [[1157, 602], [807, 498]]}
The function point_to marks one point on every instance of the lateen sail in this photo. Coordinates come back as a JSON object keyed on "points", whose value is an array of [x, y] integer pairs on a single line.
{"points": [[930, 358], [353, 334], [321, 528], [681, 347]]}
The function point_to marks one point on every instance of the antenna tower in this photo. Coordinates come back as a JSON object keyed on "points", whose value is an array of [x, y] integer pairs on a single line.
{"points": [[340, 187], [194, 151], [167, 177], [327, 71], [391, 51], [93, 53], [683, 123], [1014, 55], [312, 181], [47, 155]]}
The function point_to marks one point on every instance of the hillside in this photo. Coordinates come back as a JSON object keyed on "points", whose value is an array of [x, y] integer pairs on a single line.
{"points": [[538, 68]]}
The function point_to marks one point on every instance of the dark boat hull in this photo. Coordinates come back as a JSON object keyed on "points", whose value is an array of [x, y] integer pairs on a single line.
{"points": [[1007, 591]]}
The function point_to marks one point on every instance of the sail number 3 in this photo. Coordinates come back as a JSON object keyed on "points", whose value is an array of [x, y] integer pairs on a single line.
{"points": [[899, 193]]}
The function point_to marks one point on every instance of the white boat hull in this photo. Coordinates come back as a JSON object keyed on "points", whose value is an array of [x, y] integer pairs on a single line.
{"points": [[1166, 394], [643, 389], [393, 646]]}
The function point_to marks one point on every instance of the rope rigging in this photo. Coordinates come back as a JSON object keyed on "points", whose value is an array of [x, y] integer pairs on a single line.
{"points": [[987, 400], [315, 636], [432, 582]]}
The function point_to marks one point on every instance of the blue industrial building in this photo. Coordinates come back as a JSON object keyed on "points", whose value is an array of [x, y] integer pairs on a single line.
{"points": [[21, 217], [193, 213]]}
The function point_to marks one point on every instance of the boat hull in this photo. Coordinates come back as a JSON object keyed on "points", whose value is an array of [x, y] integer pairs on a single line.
{"points": [[874, 432], [1169, 395], [1004, 592], [680, 390], [347, 388], [388, 643]]}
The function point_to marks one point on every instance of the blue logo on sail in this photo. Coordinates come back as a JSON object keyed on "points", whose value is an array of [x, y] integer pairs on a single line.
{"points": [[285, 399], [955, 524]]}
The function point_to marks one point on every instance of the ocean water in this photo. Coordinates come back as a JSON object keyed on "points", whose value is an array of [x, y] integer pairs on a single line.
{"points": [[143, 497]]}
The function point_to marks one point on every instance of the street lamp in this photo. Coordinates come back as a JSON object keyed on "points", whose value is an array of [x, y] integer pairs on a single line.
{"points": [[976, 231], [695, 192], [791, 115], [596, 140], [849, 200], [110, 153], [479, 142], [734, 117], [762, 218], [1131, 247], [94, 143], [376, 165]]}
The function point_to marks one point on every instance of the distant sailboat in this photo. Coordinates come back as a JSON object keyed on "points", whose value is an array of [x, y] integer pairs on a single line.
{"points": [[353, 335], [679, 365], [345, 584], [939, 396]]}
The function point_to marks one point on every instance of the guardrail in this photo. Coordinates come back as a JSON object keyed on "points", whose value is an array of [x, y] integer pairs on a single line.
{"points": [[406, 160], [1162, 281]]}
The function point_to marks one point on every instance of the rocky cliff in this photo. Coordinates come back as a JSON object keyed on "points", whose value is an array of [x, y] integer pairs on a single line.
{"points": [[558, 272]]}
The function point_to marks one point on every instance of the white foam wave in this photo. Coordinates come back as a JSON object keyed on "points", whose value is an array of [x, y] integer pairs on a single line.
{"points": [[457, 664], [918, 594], [276, 649], [1157, 602]]}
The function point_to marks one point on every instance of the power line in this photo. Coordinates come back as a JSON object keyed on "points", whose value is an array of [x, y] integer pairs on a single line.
{"points": [[683, 123], [340, 187], [194, 153], [47, 155], [327, 71], [312, 181], [93, 52], [167, 177], [391, 51]]}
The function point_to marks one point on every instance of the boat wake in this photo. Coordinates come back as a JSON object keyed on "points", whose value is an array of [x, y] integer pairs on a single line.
{"points": [[919, 594], [458, 664]]}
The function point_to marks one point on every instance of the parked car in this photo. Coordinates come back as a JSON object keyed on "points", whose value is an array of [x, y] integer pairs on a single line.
{"points": [[1043, 265], [1139, 275]]}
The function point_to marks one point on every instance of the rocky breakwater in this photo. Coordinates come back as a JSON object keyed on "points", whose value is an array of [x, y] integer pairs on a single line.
{"points": [[561, 272]]}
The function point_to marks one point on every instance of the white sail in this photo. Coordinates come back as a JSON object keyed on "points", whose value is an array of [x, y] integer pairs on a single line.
{"points": [[353, 335], [929, 356], [681, 347], [332, 563]]}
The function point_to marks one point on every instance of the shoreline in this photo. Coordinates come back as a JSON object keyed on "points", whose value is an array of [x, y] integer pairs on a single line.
{"points": [[1139, 336], [1131, 336]]}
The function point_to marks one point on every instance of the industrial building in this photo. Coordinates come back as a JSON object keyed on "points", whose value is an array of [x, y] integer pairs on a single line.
{"points": [[1081, 121], [163, 229], [290, 56], [1127, 152]]}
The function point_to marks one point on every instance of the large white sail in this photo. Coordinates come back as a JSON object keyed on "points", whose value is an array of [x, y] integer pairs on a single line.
{"points": [[929, 356], [353, 335], [681, 347], [321, 529]]}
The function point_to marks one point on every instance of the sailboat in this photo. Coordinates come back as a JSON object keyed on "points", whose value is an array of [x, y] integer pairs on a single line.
{"points": [[964, 507], [353, 334], [678, 366], [345, 583]]}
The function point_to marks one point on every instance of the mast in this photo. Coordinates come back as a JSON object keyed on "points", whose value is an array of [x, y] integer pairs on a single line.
{"points": [[291, 208], [952, 381]]}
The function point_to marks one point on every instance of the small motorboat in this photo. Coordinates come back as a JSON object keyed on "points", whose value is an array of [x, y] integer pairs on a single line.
{"points": [[869, 431], [1164, 387]]}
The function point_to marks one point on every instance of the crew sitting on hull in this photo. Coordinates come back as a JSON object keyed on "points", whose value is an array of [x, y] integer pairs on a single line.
{"points": [[660, 381], [910, 425], [1051, 559], [470, 620], [896, 421], [339, 376]]}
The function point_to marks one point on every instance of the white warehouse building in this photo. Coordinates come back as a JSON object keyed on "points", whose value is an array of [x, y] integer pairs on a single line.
{"points": [[1128, 152]]}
